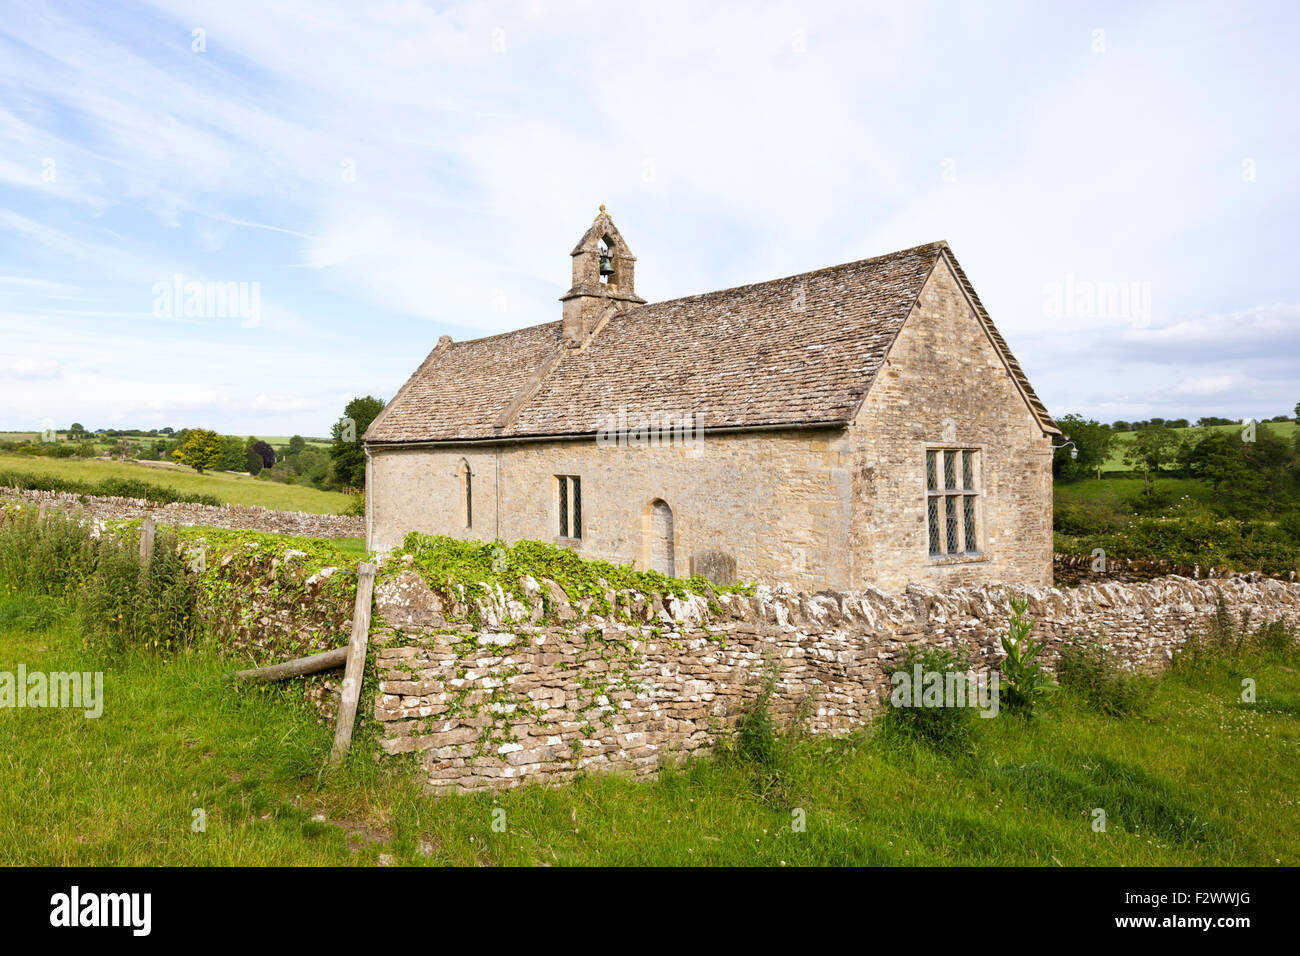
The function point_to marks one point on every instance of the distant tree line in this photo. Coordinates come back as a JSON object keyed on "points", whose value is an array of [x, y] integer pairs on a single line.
{"points": [[1204, 421]]}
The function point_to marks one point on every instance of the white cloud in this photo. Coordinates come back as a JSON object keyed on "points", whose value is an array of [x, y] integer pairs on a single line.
{"points": [[1207, 385], [732, 143], [32, 368]]}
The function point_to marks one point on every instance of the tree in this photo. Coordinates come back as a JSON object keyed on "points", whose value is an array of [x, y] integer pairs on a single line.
{"points": [[266, 452], [346, 451], [1153, 445], [233, 457], [1217, 458], [253, 463], [202, 448], [1093, 441], [1297, 411], [77, 431], [296, 444], [1272, 459]]}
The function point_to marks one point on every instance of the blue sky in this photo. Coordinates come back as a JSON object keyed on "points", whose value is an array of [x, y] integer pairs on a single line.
{"points": [[1119, 181]]}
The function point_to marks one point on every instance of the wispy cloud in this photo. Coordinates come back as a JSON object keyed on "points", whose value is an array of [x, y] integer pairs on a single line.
{"points": [[391, 171]]}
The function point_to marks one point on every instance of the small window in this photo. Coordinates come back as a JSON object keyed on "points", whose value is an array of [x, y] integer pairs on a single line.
{"points": [[466, 493], [952, 501], [570, 490]]}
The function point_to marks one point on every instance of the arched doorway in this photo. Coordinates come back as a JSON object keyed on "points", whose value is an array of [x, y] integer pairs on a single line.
{"points": [[659, 533]]}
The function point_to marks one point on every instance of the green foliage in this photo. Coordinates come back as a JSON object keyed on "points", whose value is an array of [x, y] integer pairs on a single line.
{"points": [[447, 563], [1190, 534], [346, 450], [317, 553], [1087, 669], [232, 453], [949, 730], [127, 604], [51, 557], [1219, 460], [1093, 441], [201, 448], [1026, 685], [31, 614], [121, 603], [1151, 448]]}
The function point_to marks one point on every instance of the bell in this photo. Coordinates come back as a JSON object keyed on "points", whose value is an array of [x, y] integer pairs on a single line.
{"points": [[606, 266]]}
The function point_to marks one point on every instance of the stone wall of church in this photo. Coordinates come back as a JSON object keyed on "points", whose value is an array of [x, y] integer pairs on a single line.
{"points": [[772, 505], [944, 386]]}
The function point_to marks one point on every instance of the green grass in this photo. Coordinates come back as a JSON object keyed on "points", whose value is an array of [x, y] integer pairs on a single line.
{"points": [[1114, 492], [229, 488], [1201, 780], [1115, 460]]}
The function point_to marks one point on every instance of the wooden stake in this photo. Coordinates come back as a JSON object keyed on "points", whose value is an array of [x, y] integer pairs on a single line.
{"points": [[356, 663], [147, 529]]}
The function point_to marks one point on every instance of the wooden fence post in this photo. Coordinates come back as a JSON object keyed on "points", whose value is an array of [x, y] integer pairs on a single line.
{"points": [[356, 663], [146, 540]]}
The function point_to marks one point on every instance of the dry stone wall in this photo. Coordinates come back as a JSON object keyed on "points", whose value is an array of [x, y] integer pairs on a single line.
{"points": [[231, 517], [541, 690]]}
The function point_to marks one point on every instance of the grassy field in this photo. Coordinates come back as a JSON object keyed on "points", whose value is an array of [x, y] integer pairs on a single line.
{"points": [[229, 488], [1202, 779], [1115, 491], [1115, 460]]}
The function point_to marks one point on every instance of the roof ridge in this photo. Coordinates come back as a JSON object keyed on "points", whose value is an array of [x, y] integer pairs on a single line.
{"points": [[937, 245]]}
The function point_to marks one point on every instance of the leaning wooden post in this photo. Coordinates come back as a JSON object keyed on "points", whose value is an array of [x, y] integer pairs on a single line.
{"points": [[298, 667], [356, 663], [146, 540]]}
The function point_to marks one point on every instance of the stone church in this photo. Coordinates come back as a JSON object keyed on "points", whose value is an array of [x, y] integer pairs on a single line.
{"points": [[860, 425]]}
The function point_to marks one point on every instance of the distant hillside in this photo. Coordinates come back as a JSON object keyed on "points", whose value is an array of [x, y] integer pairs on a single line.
{"points": [[1115, 461]]}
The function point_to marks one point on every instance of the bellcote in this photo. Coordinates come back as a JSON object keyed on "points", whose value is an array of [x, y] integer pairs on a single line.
{"points": [[603, 277]]}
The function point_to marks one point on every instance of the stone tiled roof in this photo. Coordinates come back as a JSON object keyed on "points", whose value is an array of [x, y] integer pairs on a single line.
{"points": [[795, 351]]}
